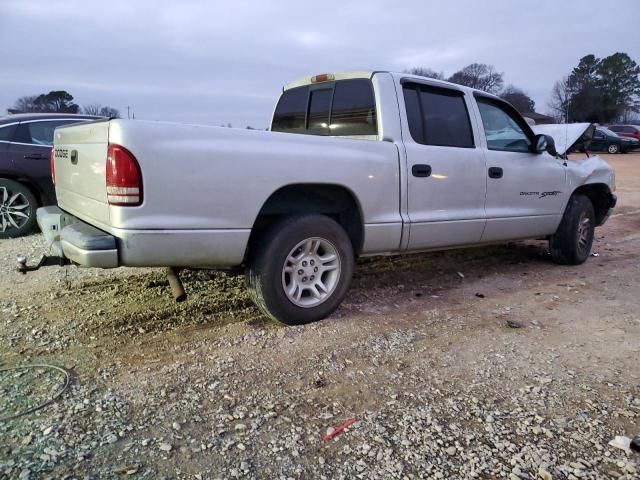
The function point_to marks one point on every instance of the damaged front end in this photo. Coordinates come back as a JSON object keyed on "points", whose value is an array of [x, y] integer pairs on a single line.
{"points": [[568, 137], [591, 176]]}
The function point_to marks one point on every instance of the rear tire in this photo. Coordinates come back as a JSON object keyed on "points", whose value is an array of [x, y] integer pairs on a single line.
{"points": [[17, 209], [613, 148], [571, 244], [300, 269]]}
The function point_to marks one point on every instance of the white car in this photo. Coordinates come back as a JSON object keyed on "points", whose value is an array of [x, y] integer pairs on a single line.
{"points": [[356, 164]]}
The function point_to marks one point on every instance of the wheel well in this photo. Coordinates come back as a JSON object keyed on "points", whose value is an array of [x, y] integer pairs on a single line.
{"points": [[334, 201], [31, 186], [600, 197]]}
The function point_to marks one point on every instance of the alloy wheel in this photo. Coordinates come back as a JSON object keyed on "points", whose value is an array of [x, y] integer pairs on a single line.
{"points": [[311, 272], [15, 210], [584, 232]]}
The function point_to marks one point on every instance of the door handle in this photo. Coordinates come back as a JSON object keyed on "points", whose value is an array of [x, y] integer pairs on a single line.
{"points": [[495, 172], [34, 156], [419, 170]]}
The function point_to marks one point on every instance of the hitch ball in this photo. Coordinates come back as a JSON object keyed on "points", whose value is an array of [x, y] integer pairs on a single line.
{"points": [[22, 263]]}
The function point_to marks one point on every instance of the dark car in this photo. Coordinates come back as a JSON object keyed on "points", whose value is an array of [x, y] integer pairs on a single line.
{"points": [[631, 131], [25, 175], [604, 140]]}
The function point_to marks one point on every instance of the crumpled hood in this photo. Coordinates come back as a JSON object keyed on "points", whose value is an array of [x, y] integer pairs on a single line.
{"points": [[567, 136]]}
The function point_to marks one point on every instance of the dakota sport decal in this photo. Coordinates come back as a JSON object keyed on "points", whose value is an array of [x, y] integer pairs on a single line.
{"points": [[541, 195]]}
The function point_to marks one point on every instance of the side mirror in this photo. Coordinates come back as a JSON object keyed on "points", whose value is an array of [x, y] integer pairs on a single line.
{"points": [[545, 143]]}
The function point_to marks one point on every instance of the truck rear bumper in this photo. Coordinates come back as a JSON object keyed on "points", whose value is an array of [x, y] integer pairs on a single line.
{"points": [[88, 246], [76, 240]]}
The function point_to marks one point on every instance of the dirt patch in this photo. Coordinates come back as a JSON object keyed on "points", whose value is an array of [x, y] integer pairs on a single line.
{"points": [[479, 363]]}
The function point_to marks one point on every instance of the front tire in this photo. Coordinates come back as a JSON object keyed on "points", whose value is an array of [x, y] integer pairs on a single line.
{"points": [[17, 209], [571, 244], [300, 269], [613, 148]]}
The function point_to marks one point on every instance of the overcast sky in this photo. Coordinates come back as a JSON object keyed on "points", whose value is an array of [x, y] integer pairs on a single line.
{"points": [[215, 62]]}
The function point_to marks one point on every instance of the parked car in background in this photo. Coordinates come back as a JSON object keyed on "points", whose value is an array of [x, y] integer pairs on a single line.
{"points": [[604, 140], [25, 171], [630, 131]]}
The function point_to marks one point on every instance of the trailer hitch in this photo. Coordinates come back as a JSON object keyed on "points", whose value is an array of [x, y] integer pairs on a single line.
{"points": [[45, 261]]}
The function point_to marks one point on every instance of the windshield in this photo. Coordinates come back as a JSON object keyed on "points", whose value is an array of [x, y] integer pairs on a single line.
{"points": [[608, 132]]}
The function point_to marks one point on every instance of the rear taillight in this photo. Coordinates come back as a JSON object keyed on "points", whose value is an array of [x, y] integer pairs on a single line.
{"points": [[124, 182], [52, 164]]}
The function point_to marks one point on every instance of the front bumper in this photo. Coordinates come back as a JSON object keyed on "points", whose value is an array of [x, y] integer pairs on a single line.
{"points": [[81, 243]]}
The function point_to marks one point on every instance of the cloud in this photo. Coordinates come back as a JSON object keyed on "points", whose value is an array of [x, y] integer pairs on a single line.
{"points": [[217, 62]]}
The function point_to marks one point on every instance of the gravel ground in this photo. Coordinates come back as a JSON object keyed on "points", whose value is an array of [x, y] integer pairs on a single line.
{"points": [[482, 363]]}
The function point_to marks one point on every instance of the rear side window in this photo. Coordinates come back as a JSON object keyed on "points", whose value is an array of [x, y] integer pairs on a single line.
{"points": [[39, 133], [438, 116], [342, 108], [6, 133], [291, 111]]}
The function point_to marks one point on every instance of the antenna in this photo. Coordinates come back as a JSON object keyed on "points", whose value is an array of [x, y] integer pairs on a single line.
{"points": [[566, 129]]}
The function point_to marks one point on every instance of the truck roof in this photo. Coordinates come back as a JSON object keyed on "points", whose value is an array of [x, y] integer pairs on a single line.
{"points": [[351, 74], [348, 75], [21, 117]]}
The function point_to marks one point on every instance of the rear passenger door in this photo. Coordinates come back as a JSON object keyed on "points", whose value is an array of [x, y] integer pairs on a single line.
{"points": [[446, 172], [6, 134], [632, 132], [30, 148]]}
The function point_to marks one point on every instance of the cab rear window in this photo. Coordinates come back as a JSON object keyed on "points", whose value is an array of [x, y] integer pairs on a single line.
{"points": [[291, 111], [342, 108]]}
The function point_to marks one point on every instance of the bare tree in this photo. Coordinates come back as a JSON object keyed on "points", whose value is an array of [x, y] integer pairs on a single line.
{"points": [[24, 104], [102, 111], [111, 112], [479, 75], [426, 72], [559, 103], [93, 109]]}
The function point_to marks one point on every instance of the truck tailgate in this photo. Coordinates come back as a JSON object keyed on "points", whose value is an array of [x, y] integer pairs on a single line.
{"points": [[80, 162]]}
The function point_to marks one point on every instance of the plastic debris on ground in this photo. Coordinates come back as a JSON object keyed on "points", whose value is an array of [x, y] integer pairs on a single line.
{"points": [[621, 442], [332, 432]]}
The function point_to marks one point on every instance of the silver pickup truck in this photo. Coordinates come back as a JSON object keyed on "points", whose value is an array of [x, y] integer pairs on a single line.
{"points": [[355, 164]]}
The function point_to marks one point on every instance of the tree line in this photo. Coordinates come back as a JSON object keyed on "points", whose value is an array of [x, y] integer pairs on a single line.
{"points": [[596, 90], [59, 101], [483, 77]]}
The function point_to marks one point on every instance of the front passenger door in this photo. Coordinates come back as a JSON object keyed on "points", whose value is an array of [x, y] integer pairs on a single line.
{"points": [[526, 191]]}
